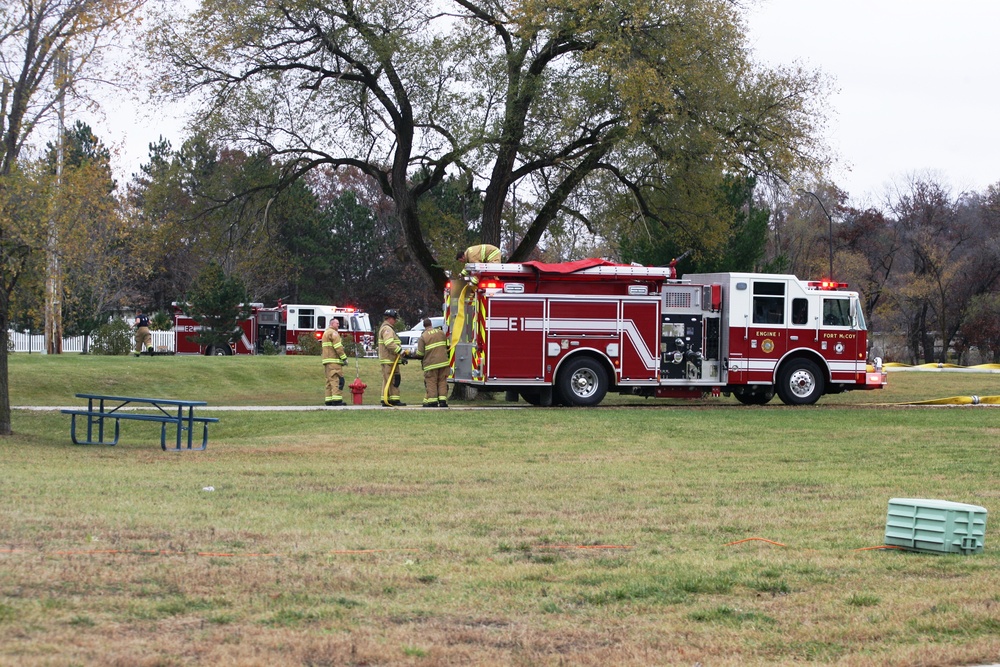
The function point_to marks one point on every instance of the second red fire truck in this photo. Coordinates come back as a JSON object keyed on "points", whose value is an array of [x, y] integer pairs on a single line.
{"points": [[569, 333], [283, 325]]}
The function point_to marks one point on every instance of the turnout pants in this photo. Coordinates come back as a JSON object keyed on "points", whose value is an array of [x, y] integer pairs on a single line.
{"points": [[392, 381], [436, 385], [143, 339], [334, 381]]}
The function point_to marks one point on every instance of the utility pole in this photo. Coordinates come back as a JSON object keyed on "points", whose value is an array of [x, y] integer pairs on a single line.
{"points": [[828, 217], [53, 268]]}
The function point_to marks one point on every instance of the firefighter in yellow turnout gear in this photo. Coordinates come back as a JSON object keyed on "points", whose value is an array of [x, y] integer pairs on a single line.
{"points": [[389, 353], [484, 253], [432, 350], [334, 360]]}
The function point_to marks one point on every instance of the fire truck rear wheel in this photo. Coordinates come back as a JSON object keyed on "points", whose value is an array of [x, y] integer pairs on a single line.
{"points": [[218, 351], [531, 397], [760, 397], [800, 382], [583, 382]]}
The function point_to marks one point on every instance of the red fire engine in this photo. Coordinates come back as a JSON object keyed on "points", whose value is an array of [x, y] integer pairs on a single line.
{"points": [[282, 325], [569, 333]]}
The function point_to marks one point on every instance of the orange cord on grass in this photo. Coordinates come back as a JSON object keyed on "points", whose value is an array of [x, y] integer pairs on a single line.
{"points": [[881, 546], [219, 555], [583, 546], [206, 554], [759, 539], [211, 554], [368, 551], [144, 552]]}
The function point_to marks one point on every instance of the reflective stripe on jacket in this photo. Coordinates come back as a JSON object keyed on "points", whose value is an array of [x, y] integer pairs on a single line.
{"points": [[333, 348], [432, 349], [389, 345], [483, 253]]}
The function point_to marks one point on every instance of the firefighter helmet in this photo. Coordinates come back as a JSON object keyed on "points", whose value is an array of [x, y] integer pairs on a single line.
{"points": [[391, 312]]}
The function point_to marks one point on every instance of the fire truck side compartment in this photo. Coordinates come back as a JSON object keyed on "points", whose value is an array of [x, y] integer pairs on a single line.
{"points": [[533, 328]]}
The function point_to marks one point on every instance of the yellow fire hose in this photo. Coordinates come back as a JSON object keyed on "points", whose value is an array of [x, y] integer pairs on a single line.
{"points": [[958, 400], [952, 368], [456, 330], [388, 385], [893, 366]]}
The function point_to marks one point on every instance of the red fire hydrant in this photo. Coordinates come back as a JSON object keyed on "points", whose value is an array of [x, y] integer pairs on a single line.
{"points": [[358, 390]]}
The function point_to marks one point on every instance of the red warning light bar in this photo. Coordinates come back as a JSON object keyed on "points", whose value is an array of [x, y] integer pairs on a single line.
{"points": [[827, 284]]}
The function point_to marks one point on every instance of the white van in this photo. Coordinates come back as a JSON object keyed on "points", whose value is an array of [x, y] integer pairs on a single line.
{"points": [[408, 339]]}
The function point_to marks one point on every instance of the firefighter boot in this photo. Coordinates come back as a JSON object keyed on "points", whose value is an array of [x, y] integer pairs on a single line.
{"points": [[334, 404], [442, 404], [431, 404], [396, 403]]}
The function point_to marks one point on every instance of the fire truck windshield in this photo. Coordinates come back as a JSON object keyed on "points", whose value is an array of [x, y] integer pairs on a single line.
{"points": [[859, 314]]}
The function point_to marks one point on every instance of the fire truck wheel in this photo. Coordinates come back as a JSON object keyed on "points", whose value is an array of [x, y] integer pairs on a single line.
{"points": [[218, 351], [760, 397], [531, 397], [582, 382], [800, 382]]}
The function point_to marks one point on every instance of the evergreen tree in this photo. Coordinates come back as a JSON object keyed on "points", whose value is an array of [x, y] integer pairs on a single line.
{"points": [[217, 302]]}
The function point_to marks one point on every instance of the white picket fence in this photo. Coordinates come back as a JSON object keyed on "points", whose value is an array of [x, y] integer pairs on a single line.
{"points": [[35, 343]]}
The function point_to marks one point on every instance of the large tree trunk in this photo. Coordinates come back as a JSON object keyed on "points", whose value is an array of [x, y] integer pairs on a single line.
{"points": [[5, 425], [913, 338], [406, 203], [926, 337]]}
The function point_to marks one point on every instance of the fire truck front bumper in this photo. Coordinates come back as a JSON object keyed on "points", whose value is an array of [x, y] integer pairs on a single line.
{"points": [[875, 379]]}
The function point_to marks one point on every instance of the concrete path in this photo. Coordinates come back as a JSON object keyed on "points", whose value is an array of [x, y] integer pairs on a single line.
{"points": [[287, 408]]}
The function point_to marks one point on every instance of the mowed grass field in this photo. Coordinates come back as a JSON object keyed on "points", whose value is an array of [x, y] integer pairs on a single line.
{"points": [[529, 536]]}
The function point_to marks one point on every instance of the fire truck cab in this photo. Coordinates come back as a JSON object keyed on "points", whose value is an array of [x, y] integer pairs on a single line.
{"points": [[283, 325], [569, 333], [310, 320]]}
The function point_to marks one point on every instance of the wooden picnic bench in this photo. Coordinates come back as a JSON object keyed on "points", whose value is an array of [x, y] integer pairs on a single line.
{"points": [[164, 410]]}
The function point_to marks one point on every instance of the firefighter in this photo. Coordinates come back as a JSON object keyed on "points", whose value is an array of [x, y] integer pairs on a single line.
{"points": [[143, 339], [483, 253], [432, 350], [389, 356], [334, 360]]}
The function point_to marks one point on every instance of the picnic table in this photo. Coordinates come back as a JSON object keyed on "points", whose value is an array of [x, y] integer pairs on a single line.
{"points": [[166, 411]]}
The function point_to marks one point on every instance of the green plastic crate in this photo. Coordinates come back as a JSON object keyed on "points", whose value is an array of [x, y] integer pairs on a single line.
{"points": [[935, 526]]}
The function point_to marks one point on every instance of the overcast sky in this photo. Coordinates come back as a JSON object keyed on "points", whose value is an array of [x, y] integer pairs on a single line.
{"points": [[917, 88], [918, 84]]}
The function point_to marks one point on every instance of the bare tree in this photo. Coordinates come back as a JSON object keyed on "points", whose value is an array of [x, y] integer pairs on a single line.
{"points": [[950, 256], [36, 35]]}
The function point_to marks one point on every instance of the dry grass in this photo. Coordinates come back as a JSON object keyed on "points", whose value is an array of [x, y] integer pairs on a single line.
{"points": [[368, 538]]}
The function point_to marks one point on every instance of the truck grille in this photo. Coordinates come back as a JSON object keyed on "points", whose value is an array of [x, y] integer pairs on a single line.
{"points": [[677, 299]]}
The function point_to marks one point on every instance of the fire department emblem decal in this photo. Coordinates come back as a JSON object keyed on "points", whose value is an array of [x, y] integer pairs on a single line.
{"points": [[839, 347], [767, 346]]}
